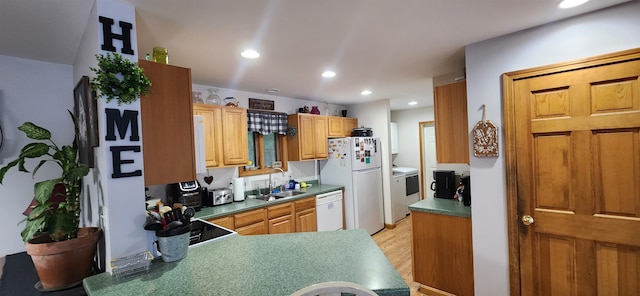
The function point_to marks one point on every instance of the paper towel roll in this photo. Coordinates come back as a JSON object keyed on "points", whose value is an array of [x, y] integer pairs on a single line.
{"points": [[238, 189]]}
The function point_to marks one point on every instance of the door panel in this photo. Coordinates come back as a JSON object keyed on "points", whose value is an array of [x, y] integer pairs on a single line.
{"points": [[428, 157], [577, 145], [367, 191]]}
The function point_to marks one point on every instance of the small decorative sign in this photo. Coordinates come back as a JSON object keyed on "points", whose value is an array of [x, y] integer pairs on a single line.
{"points": [[261, 104], [485, 137]]}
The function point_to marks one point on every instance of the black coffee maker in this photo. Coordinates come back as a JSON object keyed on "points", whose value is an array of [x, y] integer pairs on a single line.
{"points": [[187, 193], [444, 184]]}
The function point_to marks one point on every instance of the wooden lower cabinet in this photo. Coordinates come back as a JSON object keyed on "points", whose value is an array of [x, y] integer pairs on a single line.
{"points": [[289, 217], [226, 222], [442, 254], [256, 228], [306, 215], [284, 224], [281, 218], [251, 222]]}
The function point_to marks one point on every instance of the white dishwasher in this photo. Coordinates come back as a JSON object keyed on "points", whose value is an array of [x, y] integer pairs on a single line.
{"points": [[329, 211]]}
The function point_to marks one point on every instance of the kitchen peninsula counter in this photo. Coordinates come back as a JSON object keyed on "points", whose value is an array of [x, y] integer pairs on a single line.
{"points": [[276, 264], [251, 203], [442, 257], [449, 207]]}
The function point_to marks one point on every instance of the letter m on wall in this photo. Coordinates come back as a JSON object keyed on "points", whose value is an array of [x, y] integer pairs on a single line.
{"points": [[121, 122]]}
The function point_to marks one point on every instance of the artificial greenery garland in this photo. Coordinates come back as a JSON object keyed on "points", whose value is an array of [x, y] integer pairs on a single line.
{"points": [[125, 89]]}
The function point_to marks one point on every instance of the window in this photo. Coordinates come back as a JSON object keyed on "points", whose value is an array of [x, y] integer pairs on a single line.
{"points": [[267, 142], [263, 151]]}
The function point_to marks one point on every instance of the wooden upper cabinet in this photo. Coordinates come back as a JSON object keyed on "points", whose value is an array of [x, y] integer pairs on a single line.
{"points": [[452, 135], [348, 124], [167, 125], [235, 141], [320, 137], [225, 134], [212, 117], [311, 140], [335, 126], [340, 126]]}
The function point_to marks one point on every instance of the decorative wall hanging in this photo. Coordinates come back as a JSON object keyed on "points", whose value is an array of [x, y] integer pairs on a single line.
{"points": [[86, 115], [485, 137], [261, 104], [120, 79]]}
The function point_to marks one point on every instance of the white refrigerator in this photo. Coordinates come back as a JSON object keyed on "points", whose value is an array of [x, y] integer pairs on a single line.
{"points": [[355, 162]]}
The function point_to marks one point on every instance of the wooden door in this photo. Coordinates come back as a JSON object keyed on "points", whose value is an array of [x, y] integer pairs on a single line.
{"points": [[577, 160], [320, 137], [348, 125], [450, 112], [167, 125], [335, 126], [306, 221], [306, 137], [226, 222], [212, 118], [282, 224], [235, 140]]}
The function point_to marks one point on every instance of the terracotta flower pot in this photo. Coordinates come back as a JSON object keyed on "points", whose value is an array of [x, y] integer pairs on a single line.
{"points": [[64, 264]]}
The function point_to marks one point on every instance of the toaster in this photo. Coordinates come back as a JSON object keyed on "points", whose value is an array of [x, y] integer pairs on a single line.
{"points": [[220, 196]]}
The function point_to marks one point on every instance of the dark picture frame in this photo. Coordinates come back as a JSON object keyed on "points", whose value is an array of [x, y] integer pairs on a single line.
{"points": [[261, 104], [86, 115]]}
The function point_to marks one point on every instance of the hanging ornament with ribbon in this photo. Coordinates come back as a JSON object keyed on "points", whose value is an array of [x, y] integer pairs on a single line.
{"points": [[485, 137]]}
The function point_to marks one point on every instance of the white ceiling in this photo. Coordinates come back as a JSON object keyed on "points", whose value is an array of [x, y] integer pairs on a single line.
{"points": [[390, 47]]}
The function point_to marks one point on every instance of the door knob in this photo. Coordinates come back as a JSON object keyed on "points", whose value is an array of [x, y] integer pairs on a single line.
{"points": [[527, 220]]}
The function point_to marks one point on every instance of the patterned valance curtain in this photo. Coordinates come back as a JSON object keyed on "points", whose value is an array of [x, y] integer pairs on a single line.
{"points": [[267, 122]]}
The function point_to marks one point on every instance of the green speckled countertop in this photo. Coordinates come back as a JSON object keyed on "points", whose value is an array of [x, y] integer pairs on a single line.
{"points": [[449, 207], [274, 264], [250, 204]]}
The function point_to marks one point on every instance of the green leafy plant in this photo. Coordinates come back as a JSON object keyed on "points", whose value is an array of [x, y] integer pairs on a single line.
{"points": [[59, 219], [120, 79]]}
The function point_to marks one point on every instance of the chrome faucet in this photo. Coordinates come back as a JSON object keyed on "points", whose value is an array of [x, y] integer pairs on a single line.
{"points": [[271, 184]]}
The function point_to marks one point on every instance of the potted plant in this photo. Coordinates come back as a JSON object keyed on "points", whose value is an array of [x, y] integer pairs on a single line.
{"points": [[120, 79], [62, 252]]}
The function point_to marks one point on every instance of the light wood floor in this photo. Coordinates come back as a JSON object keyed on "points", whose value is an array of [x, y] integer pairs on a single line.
{"points": [[396, 245]]}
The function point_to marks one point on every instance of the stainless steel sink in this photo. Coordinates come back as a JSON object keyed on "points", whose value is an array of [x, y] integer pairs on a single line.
{"points": [[284, 194], [288, 193]]}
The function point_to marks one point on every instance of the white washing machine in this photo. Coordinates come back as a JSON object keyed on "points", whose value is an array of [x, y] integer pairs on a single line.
{"points": [[411, 185]]}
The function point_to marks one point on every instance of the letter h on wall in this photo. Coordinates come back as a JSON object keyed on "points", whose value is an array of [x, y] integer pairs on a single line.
{"points": [[108, 35]]}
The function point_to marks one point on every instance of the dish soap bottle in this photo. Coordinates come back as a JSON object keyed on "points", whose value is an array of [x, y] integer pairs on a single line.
{"points": [[292, 183]]}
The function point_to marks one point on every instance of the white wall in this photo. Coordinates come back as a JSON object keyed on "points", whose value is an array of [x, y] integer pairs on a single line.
{"points": [[409, 135], [377, 115], [40, 92], [601, 32]]}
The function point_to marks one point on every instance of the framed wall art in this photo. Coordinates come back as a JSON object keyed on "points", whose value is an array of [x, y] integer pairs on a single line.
{"points": [[261, 104], [86, 114]]}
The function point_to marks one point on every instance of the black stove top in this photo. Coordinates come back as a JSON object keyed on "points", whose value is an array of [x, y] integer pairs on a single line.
{"points": [[203, 231]]}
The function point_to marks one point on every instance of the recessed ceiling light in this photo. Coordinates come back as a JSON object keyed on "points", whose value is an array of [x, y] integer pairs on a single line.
{"points": [[571, 3], [328, 74], [366, 92], [272, 90], [250, 54], [413, 103]]}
